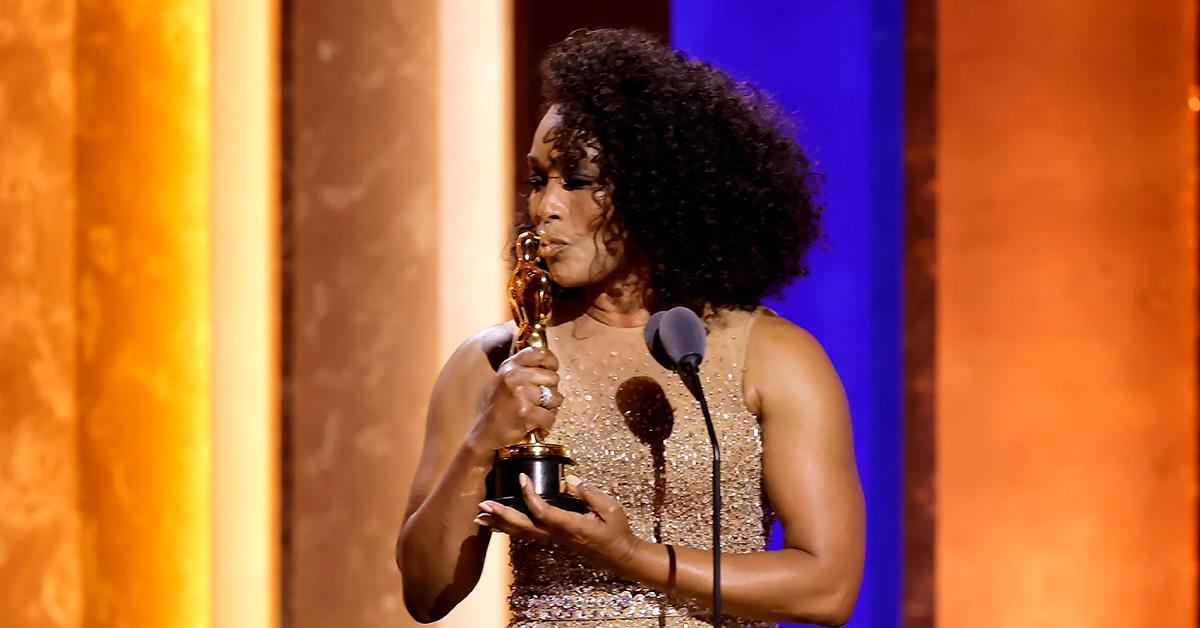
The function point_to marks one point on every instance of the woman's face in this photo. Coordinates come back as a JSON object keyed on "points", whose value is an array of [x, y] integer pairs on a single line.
{"points": [[570, 212]]}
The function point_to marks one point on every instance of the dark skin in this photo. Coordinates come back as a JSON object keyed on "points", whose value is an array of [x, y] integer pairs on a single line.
{"points": [[483, 401]]}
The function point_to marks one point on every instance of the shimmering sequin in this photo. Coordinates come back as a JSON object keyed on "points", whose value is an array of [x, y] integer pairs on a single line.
{"points": [[638, 435]]}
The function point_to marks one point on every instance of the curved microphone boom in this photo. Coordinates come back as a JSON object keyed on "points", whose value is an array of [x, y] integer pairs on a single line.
{"points": [[677, 340]]}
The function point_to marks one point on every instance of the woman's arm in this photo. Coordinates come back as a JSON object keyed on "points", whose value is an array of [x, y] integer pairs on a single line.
{"points": [[812, 482], [440, 552], [478, 404]]}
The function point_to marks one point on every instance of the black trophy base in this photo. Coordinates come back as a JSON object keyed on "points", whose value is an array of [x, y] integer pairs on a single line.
{"points": [[562, 500], [546, 473]]}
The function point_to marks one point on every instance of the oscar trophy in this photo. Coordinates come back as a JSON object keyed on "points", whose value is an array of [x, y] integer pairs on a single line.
{"points": [[529, 298]]}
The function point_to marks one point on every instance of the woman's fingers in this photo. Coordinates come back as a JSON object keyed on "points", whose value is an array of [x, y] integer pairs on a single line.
{"points": [[538, 418], [541, 358], [598, 501], [538, 377], [537, 506], [509, 521], [517, 377], [545, 514], [534, 393], [484, 520]]}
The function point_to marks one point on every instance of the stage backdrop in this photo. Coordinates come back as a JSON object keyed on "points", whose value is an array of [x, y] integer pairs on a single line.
{"points": [[226, 286], [835, 66]]}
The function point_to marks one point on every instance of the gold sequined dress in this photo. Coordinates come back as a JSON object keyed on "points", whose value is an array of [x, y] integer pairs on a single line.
{"points": [[638, 435]]}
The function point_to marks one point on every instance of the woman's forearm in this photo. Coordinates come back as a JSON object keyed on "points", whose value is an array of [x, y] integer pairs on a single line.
{"points": [[441, 549], [779, 585]]}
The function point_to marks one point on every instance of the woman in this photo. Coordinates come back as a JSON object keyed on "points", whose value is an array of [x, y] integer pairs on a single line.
{"points": [[655, 181]]}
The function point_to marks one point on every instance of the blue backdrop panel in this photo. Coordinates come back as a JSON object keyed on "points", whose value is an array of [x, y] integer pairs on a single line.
{"points": [[836, 66]]}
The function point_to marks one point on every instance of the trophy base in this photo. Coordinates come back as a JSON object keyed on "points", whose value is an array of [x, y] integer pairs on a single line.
{"points": [[562, 500], [544, 466]]}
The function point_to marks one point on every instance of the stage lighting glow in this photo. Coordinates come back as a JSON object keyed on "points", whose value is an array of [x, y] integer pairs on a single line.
{"points": [[142, 87]]}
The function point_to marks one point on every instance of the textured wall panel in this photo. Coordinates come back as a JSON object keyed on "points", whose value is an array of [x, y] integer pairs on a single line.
{"points": [[39, 523], [361, 282], [1067, 315], [143, 311]]}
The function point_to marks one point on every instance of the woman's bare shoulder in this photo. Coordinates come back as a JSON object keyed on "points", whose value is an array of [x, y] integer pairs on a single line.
{"points": [[480, 354], [462, 381], [780, 351]]}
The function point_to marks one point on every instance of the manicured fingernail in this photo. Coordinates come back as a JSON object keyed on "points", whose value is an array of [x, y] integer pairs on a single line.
{"points": [[573, 481], [480, 521], [486, 507], [524, 479]]}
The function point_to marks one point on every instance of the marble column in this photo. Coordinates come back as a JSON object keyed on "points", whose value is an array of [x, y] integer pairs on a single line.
{"points": [[360, 285], [142, 305], [39, 472]]}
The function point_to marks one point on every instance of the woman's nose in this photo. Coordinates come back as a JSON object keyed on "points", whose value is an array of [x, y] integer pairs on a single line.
{"points": [[551, 206]]}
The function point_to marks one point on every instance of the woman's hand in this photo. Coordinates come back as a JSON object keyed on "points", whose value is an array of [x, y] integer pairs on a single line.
{"points": [[511, 407], [602, 536]]}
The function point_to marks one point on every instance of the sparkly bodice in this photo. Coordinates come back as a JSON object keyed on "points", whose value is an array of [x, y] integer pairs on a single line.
{"points": [[638, 435]]}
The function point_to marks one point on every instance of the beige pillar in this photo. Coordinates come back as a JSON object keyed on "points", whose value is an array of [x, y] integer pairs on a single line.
{"points": [[245, 295], [396, 206]]}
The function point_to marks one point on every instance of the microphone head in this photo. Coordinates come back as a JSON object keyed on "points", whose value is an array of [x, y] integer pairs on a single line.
{"points": [[654, 343], [682, 336]]}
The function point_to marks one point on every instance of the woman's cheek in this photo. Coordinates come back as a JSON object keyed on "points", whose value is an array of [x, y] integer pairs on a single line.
{"points": [[574, 269], [578, 266], [561, 272]]}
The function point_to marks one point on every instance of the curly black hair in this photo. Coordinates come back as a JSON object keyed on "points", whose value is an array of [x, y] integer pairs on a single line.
{"points": [[712, 194]]}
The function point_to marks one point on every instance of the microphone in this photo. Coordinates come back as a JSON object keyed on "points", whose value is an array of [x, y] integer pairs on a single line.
{"points": [[676, 337], [683, 340], [654, 344], [677, 340]]}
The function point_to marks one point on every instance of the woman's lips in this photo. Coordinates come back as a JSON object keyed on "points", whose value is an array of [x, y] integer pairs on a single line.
{"points": [[550, 249], [550, 245]]}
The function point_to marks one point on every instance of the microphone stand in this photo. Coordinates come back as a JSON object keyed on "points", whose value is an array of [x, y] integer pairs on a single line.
{"points": [[690, 369]]}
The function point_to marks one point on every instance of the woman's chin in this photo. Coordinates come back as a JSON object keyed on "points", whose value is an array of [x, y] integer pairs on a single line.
{"points": [[564, 278], [566, 281], [566, 274]]}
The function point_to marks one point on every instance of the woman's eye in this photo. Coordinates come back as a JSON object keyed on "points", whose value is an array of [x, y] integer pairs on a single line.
{"points": [[536, 181], [578, 183]]}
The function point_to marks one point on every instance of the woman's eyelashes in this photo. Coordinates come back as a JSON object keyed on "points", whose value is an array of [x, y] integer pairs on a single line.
{"points": [[578, 182], [537, 181]]}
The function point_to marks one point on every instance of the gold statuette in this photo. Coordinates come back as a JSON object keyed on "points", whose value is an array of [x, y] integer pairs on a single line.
{"points": [[529, 297]]}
